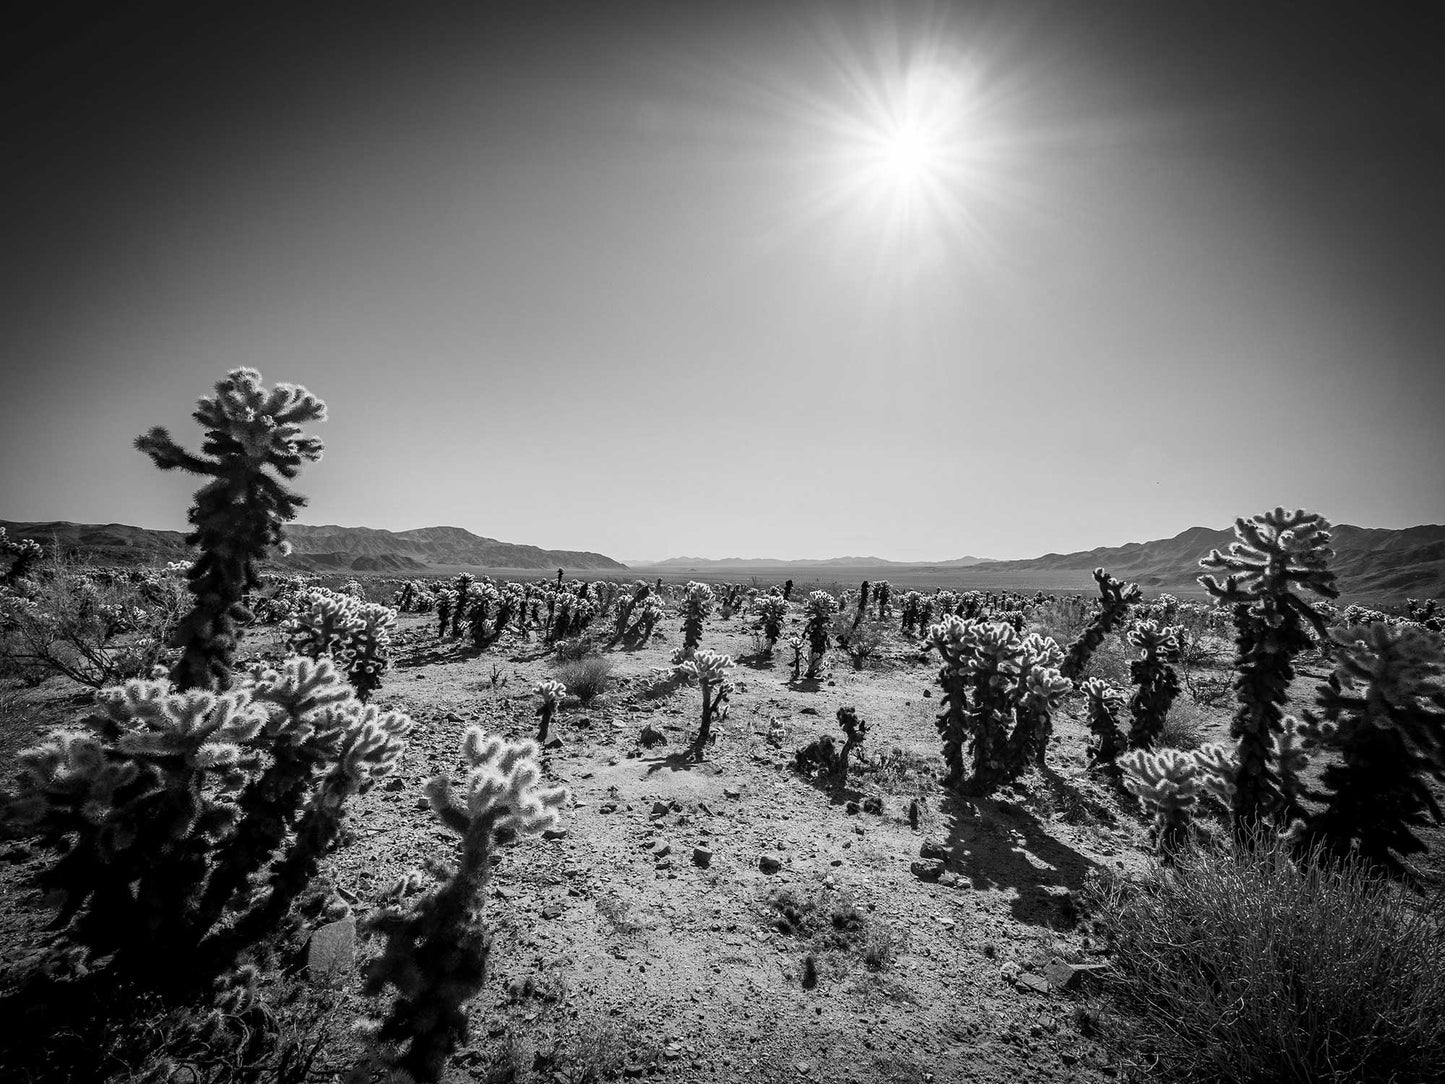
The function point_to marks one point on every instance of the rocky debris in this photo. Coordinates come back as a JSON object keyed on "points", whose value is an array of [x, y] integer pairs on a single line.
{"points": [[702, 857], [554, 833], [769, 863], [873, 805], [660, 809], [1066, 976], [731, 792], [1036, 984], [651, 736], [661, 849], [932, 848], [927, 869]]}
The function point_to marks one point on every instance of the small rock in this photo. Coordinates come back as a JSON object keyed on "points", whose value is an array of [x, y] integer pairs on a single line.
{"points": [[927, 869], [553, 743], [928, 694], [729, 792], [701, 856], [932, 848], [852, 808], [661, 850], [769, 863], [660, 808], [393, 785], [651, 736], [1066, 976], [1034, 983], [552, 910], [554, 833], [873, 805]]}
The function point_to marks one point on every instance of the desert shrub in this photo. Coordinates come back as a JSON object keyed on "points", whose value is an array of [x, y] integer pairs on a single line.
{"points": [[586, 677], [94, 629], [577, 647], [865, 643], [1251, 966]]}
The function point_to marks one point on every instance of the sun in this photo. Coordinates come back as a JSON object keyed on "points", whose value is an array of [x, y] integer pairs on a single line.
{"points": [[908, 156]]}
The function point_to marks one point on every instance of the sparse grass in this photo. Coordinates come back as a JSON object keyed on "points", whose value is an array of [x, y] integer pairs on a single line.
{"points": [[1185, 727], [577, 648], [1255, 967], [826, 921], [617, 913], [586, 678]]}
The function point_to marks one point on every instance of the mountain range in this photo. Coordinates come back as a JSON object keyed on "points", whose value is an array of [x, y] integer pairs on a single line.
{"points": [[1370, 563], [319, 549]]}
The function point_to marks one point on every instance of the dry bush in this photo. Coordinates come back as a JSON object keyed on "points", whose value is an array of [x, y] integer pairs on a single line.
{"points": [[1254, 966], [576, 648], [586, 678]]}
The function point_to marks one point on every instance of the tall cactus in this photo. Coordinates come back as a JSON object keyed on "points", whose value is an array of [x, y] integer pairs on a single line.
{"points": [[436, 950], [697, 603], [253, 443], [1157, 684], [23, 554], [771, 610], [819, 611], [1104, 704], [1276, 554], [1114, 602]]}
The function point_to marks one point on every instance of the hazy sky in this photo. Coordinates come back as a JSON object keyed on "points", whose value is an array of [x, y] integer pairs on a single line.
{"points": [[737, 279]]}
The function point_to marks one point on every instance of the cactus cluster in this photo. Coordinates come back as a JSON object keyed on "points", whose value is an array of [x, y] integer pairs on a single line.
{"points": [[254, 443], [356, 634], [436, 948], [771, 611], [169, 802], [697, 603], [1105, 702], [24, 554], [1000, 691]]}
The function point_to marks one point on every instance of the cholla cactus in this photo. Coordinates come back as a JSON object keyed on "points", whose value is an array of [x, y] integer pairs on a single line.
{"points": [[1000, 690], [1277, 553], [1382, 717], [696, 605], [169, 801], [818, 612], [551, 693], [436, 950], [446, 601], [795, 645], [854, 731], [253, 442], [645, 616], [863, 594], [710, 670], [1115, 600], [1168, 784], [771, 611], [912, 605], [1104, 704], [357, 634], [24, 554], [1158, 684], [462, 590], [883, 592]]}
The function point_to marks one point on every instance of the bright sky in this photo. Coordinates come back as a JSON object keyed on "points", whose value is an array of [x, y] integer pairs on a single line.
{"points": [[738, 279]]}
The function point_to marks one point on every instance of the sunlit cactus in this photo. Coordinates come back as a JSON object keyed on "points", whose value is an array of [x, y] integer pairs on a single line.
{"points": [[254, 442], [709, 669], [911, 606], [551, 693], [883, 593], [645, 616], [436, 948], [1000, 691], [1277, 554], [462, 592], [1382, 718], [355, 633], [854, 731], [1114, 602], [697, 603], [796, 645], [1157, 684], [818, 614], [24, 554], [166, 806], [1105, 702], [446, 601], [771, 611], [1168, 784]]}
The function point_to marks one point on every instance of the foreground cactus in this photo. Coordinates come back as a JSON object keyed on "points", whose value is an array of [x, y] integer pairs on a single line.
{"points": [[1382, 716], [710, 671], [818, 611], [551, 693], [1104, 704], [24, 554], [436, 949], [1169, 784], [163, 808], [771, 610], [253, 442], [696, 605], [1276, 555]]}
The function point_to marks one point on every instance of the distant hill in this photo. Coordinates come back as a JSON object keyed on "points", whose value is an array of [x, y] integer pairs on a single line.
{"points": [[1369, 562], [721, 563], [318, 549]]}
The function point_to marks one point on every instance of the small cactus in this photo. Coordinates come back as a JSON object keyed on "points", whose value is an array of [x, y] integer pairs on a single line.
{"points": [[710, 671]]}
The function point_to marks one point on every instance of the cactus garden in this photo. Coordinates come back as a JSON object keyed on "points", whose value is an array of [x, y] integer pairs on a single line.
{"points": [[476, 827]]}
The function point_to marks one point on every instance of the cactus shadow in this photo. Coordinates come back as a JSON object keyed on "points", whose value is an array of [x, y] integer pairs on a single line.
{"points": [[680, 760], [757, 662], [998, 844]]}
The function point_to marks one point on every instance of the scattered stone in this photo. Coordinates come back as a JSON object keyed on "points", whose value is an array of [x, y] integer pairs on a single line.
{"points": [[730, 792], [554, 833], [1009, 972], [931, 848], [701, 856], [1067, 976], [651, 736], [873, 805], [927, 869], [422, 803], [808, 711], [661, 849], [393, 784], [607, 807], [553, 743], [552, 910], [852, 809], [660, 809], [928, 694], [1033, 983], [913, 814], [769, 863], [332, 948]]}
